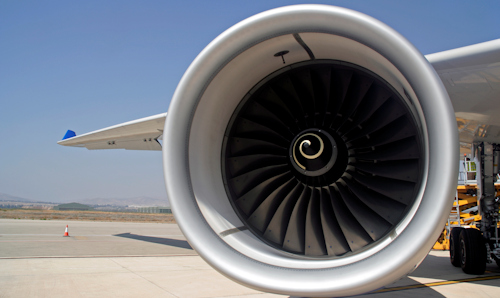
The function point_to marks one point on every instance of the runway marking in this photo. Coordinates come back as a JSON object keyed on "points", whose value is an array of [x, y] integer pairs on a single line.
{"points": [[435, 284]]}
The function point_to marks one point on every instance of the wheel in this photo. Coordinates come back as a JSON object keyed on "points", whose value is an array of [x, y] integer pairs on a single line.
{"points": [[473, 251], [455, 246]]}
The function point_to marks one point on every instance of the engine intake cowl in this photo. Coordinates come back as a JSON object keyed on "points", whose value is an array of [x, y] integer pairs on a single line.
{"points": [[315, 153]]}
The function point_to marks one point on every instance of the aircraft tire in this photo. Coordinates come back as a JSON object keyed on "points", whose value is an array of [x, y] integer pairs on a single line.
{"points": [[472, 251], [455, 247]]}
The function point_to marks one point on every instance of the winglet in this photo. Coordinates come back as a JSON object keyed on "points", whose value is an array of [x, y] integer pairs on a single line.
{"points": [[69, 134]]}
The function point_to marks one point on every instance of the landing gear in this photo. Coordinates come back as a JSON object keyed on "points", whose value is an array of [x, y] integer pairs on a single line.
{"points": [[472, 247], [455, 247], [468, 250], [472, 251]]}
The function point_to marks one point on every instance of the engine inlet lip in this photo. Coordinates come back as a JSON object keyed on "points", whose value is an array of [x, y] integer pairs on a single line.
{"points": [[296, 151]]}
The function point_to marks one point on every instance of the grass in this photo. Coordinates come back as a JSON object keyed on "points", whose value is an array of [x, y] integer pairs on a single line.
{"points": [[86, 215]]}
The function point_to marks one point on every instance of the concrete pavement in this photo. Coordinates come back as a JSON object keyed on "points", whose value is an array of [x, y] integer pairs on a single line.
{"points": [[109, 259], [43, 238]]}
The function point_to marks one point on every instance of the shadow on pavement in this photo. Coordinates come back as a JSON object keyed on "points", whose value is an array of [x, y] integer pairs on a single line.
{"points": [[440, 272], [164, 241]]}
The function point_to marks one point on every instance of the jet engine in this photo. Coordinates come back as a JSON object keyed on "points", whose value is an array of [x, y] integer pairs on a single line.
{"points": [[311, 151]]}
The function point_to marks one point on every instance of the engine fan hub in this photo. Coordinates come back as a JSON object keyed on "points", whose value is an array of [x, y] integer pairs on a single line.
{"points": [[313, 152]]}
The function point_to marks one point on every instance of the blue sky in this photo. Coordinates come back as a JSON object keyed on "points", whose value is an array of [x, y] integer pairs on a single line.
{"points": [[85, 65]]}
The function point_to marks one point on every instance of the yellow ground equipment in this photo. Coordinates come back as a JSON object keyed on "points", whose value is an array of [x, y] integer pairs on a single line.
{"points": [[464, 213]]}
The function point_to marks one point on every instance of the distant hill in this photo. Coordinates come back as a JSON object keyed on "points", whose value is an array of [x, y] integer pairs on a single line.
{"points": [[6, 197], [139, 201]]}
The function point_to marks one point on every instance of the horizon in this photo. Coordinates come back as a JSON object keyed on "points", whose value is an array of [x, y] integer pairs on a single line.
{"points": [[4, 197]]}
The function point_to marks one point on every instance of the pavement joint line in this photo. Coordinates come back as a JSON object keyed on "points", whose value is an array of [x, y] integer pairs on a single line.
{"points": [[256, 294], [64, 240], [435, 284], [104, 256], [91, 235], [142, 277]]}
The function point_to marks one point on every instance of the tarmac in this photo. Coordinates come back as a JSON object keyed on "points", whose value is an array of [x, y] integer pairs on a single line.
{"points": [[114, 259]]}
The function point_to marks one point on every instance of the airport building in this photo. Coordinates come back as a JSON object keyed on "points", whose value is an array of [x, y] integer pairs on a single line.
{"points": [[73, 207], [154, 210]]}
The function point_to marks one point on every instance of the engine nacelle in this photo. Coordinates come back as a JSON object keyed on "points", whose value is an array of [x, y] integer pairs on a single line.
{"points": [[311, 150]]}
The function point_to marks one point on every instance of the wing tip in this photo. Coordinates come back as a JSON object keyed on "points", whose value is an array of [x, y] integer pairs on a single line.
{"points": [[69, 134]]}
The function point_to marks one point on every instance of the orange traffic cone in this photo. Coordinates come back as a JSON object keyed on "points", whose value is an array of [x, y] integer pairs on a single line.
{"points": [[66, 232]]}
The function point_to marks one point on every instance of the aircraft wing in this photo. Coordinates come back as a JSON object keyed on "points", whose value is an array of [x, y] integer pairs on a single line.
{"points": [[140, 134], [471, 76]]}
